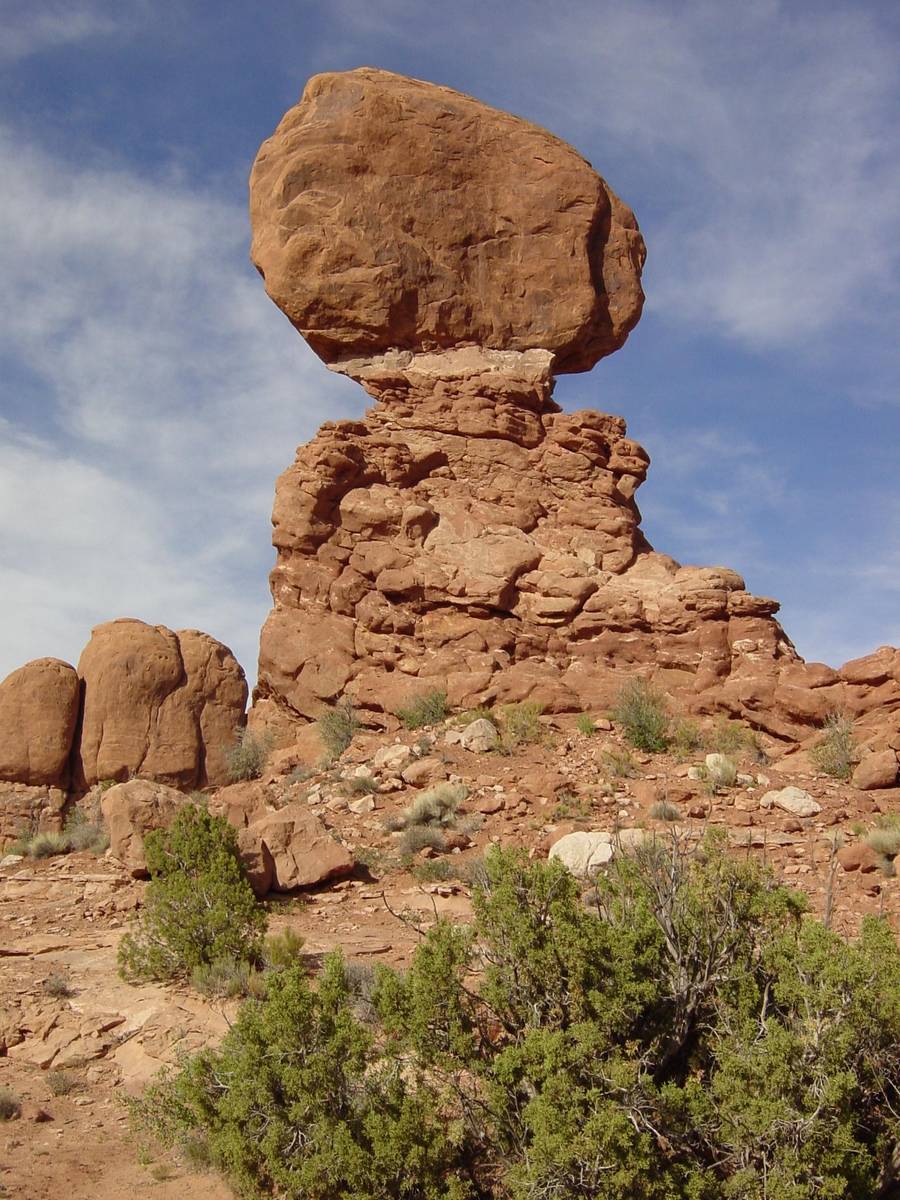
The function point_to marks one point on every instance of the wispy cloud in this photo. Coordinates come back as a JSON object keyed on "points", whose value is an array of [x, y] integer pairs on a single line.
{"points": [[172, 393], [31, 29]]}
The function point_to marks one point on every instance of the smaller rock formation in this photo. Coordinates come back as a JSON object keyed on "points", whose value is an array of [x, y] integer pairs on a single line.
{"points": [[157, 704], [145, 702], [38, 714]]}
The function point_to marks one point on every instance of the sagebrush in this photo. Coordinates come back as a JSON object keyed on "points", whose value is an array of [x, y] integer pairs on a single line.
{"points": [[641, 711]]}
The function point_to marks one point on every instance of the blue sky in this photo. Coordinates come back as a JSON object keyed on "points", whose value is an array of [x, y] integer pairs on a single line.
{"points": [[150, 392]]}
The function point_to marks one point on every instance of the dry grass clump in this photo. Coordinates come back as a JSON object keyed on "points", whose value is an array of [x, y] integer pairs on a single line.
{"points": [[884, 839], [9, 1105], [721, 773], [664, 810], [585, 724], [424, 821], [247, 758], [58, 986], [429, 709], [337, 727], [836, 753], [520, 724], [61, 1083], [619, 764]]}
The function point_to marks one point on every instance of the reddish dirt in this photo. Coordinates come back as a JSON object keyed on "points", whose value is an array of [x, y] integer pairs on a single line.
{"points": [[64, 916]]}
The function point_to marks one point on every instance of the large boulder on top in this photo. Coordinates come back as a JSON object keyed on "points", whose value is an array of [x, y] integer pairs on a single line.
{"points": [[391, 214], [38, 713], [157, 704]]}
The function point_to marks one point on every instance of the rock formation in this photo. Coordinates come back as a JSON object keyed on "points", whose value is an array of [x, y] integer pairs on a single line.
{"points": [[157, 704], [144, 702], [468, 535]]}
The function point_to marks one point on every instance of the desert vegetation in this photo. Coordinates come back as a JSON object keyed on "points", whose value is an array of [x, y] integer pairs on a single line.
{"points": [[836, 752], [199, 912], [247, 758], [690, 1032]]}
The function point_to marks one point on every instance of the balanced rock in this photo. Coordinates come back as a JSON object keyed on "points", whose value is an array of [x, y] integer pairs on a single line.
{"points": [[467, 535], [391, 216], [38, 714], [157, 704]]}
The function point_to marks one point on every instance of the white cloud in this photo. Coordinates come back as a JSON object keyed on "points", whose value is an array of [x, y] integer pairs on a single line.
{"points": [[28, 29], [172, 392]]}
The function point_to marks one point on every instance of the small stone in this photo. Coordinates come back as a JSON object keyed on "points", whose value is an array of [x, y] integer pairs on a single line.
{"points": [[876, 771], [480, 736]]}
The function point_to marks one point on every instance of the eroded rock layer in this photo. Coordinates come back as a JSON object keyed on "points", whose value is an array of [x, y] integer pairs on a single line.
{"points": [[470, 536]]}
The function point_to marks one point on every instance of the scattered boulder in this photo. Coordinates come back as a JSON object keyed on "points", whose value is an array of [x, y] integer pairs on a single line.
{"points": [[860, 858], [130, 811], [303, 851], [793, 800], [583, 853], [38, 714], [257, 861], [876, 771], [424, 771], [479, 736]]}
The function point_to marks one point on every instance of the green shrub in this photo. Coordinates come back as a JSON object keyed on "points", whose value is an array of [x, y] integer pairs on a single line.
{"points": [[337, 727], [461, 720], [836, 753], [641, 711], [247, 758], [520, 724], [10, 1106], [690, 1035], [300, 1102], [585, 724], [429, 709], [199, 907]]}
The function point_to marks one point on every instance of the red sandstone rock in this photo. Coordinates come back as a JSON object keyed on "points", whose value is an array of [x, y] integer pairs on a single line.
{"points": [[302, 850], [466, 535], [157, 704], [391, 215], [132, 810], [860, 858], [876, 771], [38, 712]]}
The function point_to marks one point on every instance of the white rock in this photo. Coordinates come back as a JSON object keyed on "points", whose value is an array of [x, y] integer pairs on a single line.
{"points": [[10, 860], [365, 804], [695, 773], [583, 853], [480, 736], [392, 758], [793, 800]]}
